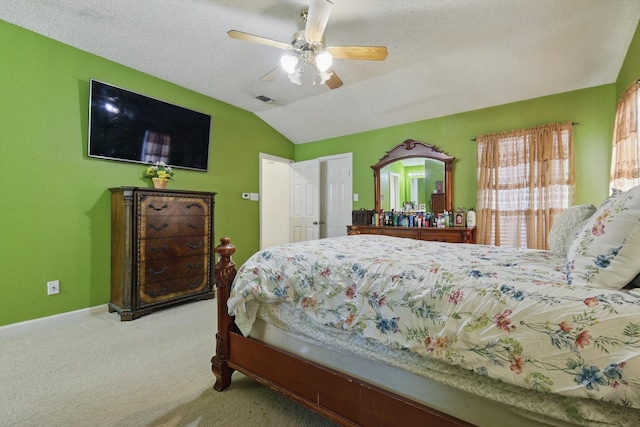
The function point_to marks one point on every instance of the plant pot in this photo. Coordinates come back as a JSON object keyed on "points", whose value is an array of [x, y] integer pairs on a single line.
{"points": [[160, 182]]}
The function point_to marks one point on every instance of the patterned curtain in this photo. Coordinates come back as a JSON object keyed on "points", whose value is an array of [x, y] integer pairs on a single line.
{"points": [[525, 178], [625, 158]]}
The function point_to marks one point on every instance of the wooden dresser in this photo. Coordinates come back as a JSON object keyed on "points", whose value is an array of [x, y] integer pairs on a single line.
{"points": [[161, 249], [450, 235]]}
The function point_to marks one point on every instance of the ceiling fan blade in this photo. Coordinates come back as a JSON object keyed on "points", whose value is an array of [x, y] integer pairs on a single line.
{"points": [[234, 34], [371, 53], [317, 18], [334, 81]]}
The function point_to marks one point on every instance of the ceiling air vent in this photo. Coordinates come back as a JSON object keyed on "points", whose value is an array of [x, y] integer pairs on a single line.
{"points": [[264, 98]]}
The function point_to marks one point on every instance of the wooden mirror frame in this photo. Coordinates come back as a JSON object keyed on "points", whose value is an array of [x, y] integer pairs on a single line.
{"points": [[411, 149]]}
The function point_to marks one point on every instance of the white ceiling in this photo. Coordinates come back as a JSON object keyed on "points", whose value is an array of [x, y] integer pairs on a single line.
{"points": [[445, 56]]}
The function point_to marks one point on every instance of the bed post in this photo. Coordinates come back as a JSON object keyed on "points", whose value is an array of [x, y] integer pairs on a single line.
{"points": [[225, 272]]}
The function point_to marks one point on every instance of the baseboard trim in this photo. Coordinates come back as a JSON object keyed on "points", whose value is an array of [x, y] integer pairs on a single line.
{"points": [[50, 321]]}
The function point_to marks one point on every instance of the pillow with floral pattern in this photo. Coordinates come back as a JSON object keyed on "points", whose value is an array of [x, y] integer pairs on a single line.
{"points": [[605, 252], [566, 225]]}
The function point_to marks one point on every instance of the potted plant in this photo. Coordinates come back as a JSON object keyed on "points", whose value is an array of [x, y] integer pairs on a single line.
{"points": [[160, 173]]}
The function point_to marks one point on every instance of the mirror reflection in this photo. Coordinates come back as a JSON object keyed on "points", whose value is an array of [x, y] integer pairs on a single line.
{"points": [[408, 184], [413, 176]]}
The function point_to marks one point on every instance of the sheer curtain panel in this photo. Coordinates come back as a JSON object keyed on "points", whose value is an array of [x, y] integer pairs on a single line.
{"points": [[625, 159], [525, 178]]}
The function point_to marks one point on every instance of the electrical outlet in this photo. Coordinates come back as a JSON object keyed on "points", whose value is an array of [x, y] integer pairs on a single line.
{"points": [[53, 287]]}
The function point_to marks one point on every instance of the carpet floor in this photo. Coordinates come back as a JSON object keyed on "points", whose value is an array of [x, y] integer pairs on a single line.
{"points": [[154, 371]]}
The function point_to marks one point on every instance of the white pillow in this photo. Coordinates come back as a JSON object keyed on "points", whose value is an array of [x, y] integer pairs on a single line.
{"points": [[566, 225], [606, 251]]}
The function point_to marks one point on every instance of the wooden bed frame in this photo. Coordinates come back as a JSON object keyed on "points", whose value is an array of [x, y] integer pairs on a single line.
{"points": [[339, 397]]}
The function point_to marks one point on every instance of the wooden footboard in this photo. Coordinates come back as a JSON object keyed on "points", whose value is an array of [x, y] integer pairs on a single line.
{"points": [[335, 395]]}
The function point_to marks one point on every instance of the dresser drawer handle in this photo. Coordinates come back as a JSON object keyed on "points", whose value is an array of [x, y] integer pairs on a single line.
{"points": [[160, 249], [161, 292], [198, 265], [164, 270], [165, 225], [195, 245], [165, 206], [196, 226], [194, 205]]}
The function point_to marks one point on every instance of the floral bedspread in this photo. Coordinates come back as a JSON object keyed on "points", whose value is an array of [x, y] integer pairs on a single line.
{"points": [[500, 312]]}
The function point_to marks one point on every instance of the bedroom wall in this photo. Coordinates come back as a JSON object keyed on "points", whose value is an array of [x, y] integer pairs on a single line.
{"points": [[630, 71], [593, 108], [55, 201]]}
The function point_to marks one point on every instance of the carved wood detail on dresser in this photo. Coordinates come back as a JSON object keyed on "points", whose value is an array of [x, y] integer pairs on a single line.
{"points": [[162, 249]]}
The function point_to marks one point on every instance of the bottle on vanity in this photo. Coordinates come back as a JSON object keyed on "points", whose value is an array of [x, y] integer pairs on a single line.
{"points": [[471, 218]]}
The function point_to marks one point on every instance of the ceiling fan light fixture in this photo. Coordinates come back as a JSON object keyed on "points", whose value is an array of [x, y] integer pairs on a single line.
{"points": [[289, 63], [324, 76], [323, 60], [295, 77]]}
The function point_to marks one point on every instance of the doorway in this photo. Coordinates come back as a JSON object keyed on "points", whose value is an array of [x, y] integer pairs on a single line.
{"points": [[336, 192]]}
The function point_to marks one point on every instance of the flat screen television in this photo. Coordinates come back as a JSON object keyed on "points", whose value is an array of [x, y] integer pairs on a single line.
{"points": [[130, 127]]}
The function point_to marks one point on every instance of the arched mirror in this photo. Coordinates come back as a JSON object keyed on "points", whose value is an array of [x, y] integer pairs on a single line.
{"points": [[413, 176]]}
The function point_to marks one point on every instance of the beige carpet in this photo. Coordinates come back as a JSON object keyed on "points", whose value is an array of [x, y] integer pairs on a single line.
{"points": [[153, 371]]}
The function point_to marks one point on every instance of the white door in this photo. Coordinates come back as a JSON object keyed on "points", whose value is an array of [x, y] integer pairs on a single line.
{"points": [[336, 194], [305, 200], [275, 174]]}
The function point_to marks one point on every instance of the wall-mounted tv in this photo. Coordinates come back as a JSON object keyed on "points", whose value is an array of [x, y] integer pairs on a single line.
{"points": [[130, 127]]}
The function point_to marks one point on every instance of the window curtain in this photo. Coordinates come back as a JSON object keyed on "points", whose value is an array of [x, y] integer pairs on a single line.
{"points": [[625, 158], [525, 178]]}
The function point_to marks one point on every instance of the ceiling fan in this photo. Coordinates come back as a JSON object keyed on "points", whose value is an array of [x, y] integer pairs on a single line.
{"points": [[308, 47]]}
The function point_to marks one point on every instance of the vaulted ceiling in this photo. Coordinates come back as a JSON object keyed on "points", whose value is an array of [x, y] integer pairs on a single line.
{"points": [[444, 56]]}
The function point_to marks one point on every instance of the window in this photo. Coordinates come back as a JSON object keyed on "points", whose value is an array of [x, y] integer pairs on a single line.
{"points": [[525, 178]]}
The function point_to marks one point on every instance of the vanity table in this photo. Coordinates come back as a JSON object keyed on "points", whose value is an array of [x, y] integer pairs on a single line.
{"points": [[420, 173], [449, 235]]}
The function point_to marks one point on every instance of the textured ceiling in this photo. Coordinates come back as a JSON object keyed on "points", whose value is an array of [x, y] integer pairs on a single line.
{"points": [[445, 56]]}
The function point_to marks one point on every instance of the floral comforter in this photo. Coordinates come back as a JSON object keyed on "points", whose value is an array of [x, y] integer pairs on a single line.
{"points": [[503, 313]]}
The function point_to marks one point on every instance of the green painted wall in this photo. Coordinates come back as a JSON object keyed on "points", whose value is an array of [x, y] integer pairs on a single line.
{"points": [[593, 108], [55, 202], [55, 205], [630, 71]]}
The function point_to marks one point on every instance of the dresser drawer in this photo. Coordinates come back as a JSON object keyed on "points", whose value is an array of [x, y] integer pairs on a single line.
{"points": [[153, 293], [409, 233], [174, 247], [172, 268], [154, 205], [153, 227], [449, 237]]}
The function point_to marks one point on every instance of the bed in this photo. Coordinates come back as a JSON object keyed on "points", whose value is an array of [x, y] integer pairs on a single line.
{"points": [[379, 330]]}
